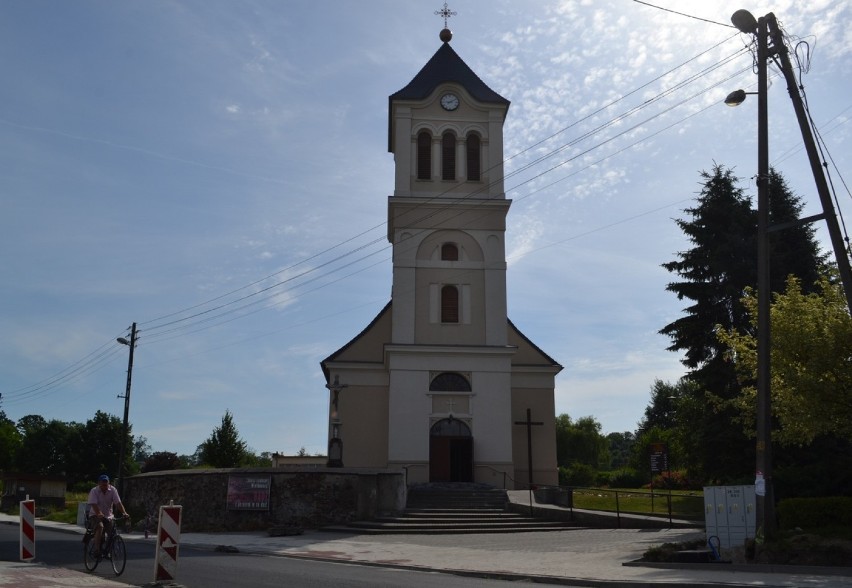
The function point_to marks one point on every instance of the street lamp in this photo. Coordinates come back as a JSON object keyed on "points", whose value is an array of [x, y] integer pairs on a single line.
{"points": [[737, 97], [765, 499], [124, 431]]}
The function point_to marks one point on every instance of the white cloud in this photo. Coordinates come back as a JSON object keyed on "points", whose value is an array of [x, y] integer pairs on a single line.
{"points": [[243, 141]]}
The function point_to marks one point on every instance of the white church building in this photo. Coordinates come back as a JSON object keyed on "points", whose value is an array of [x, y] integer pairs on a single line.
{"points": [[441, 382]]}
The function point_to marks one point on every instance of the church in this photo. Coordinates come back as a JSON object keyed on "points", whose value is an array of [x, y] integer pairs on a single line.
{"points": [[441, 383]]}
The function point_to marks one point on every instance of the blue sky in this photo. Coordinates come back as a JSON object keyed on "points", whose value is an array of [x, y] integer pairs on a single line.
{"points": [[218, 173]]}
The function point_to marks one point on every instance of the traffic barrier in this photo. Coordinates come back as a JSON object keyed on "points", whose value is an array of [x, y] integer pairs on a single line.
{"points": [[27, 529], [168, 540]]}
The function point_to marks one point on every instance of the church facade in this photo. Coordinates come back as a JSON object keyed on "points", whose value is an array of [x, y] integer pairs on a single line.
{"points": [[441, 382]]}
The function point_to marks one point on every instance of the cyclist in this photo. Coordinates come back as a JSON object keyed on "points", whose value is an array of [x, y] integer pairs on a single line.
{"points": [[102, 498]]}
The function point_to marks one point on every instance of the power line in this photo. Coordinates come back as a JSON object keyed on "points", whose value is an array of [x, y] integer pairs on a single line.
{"points": [[153, 327], [721, 24], [238, 308], [449, 204]]}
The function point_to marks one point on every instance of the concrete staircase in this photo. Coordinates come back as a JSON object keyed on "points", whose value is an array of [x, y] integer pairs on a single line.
{"points": [[456, 509]]}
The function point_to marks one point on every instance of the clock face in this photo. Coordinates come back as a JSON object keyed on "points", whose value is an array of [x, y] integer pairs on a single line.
{"points": [[449, 101]]}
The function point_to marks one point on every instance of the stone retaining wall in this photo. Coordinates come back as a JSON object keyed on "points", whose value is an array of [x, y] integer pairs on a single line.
{"points": [[300, 497]]}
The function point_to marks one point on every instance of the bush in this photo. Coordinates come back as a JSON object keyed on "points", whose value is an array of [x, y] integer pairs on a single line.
{"points": [[81, 488], [578, 474], [811, 513], [623, 478], [161, 461], [675, 480]]}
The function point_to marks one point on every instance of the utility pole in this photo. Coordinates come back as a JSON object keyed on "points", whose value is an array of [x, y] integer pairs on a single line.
{"points": [[841, 254], [764, 499], [125, 429], [765, 29]]}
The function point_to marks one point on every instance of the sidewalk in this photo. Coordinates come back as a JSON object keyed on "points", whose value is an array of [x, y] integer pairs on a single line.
{"points": [[580, 557]]}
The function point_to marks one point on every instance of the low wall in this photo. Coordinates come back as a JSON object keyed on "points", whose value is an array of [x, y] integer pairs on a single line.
{"points": [[303, 497]]}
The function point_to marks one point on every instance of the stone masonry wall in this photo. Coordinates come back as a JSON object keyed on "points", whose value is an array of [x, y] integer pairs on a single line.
{"points": [[307, 498]]}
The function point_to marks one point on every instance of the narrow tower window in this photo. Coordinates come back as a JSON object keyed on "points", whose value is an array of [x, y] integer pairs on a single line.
{"points": [[449, 252], [449, 304], [473, 165], [448, 156], [424, 156]]}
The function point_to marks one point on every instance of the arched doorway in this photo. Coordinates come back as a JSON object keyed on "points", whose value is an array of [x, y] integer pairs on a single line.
{"points": [[450, 441], [450, 451]]}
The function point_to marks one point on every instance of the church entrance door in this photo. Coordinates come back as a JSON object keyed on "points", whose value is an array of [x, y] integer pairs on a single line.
{"points": [[450, 452]]}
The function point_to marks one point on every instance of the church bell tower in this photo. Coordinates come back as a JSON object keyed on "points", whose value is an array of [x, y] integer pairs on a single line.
{"points": [[437, 383]]}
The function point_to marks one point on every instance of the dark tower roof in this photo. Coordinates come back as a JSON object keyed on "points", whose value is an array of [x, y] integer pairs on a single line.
{"points": [[445, 66]]}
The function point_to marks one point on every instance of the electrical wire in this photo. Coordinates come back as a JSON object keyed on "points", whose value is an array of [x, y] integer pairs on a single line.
{"points": [[721, 24], [84, 367], [803, 63], [219, 319], [448, 204], [152, 325]]}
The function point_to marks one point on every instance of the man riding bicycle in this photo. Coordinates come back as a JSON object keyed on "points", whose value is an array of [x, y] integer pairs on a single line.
{"points": [[102, 498]]}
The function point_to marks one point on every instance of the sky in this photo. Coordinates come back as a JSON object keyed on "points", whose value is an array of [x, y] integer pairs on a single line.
{"points": [[217, 172]]}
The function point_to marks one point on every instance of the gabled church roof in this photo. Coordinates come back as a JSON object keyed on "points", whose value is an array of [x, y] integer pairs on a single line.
{"points": [[445, 66], [534, 354]]}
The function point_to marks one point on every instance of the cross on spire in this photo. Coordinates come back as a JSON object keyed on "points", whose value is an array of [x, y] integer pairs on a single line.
{"points": [[446, 13]]}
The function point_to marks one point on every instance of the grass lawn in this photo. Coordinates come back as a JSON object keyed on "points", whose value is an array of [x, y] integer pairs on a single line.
{"points": [[684, 504], [69, 513]]}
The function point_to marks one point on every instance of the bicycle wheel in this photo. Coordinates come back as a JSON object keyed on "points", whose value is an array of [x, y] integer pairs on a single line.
{"points": [[119, 555], [90, 559]]}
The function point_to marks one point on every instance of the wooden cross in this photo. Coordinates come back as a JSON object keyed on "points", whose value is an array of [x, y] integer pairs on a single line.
{"points": [[529, 423], [450, 404]]}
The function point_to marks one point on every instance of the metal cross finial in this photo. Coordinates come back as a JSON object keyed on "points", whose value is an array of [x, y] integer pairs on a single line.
{"points": [[446, 13]]}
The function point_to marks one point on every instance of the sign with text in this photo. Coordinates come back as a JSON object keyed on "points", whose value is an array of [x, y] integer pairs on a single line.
{"points": [[659, 457], [248, 492]]}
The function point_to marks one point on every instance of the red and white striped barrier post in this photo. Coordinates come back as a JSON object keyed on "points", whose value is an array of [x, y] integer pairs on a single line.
{"points": [[27, 529], [168, 538]]}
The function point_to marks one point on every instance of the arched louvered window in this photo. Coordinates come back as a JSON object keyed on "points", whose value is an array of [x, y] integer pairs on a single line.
{"points": [[448, 156], [449, 382], [473, 158], [424, 156], [449, 304], [449, 252]]}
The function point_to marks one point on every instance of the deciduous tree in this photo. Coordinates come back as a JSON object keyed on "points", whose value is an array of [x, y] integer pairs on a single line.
{"points": [[161, 461], [580, 442], [10, 442], [811, 364]]}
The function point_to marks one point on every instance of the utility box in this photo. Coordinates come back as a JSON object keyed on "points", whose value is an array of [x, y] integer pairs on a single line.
{"points": [[729, 514]]}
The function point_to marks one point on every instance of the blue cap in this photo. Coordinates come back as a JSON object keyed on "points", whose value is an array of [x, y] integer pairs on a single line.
{"points": [[103, 478]]}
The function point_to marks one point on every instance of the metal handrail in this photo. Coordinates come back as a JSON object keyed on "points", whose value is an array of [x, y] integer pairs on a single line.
{"points": [[618, 494]]}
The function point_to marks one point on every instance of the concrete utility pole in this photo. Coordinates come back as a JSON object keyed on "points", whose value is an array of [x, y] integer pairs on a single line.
{"points": [[765, 29], [125, 428], [841, 253]]}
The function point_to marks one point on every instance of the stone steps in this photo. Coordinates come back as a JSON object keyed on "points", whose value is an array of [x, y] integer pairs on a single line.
{"points": [[454, 509]]}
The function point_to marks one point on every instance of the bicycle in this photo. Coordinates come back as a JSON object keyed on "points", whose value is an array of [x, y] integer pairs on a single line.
{"points": [[111, 548]]}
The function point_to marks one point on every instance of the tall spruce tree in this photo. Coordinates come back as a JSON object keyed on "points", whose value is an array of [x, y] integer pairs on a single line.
{"points": [[793, 250], [715, 272]]}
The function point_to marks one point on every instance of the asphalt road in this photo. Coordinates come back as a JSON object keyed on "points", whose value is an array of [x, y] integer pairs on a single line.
{"points": [[199, 568]]}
